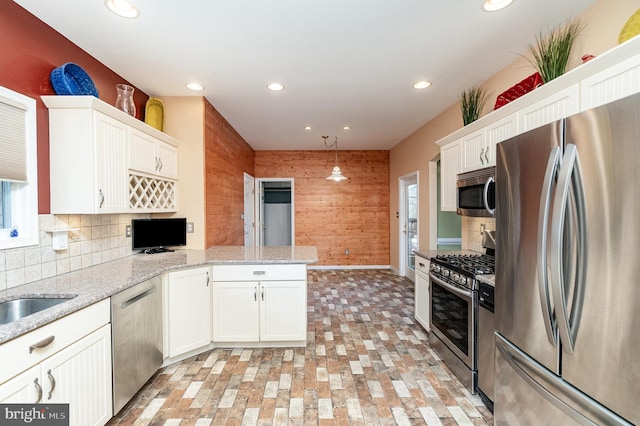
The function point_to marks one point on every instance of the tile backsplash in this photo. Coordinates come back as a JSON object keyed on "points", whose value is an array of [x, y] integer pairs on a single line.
{"points": [[472, 231], [94, 239]]}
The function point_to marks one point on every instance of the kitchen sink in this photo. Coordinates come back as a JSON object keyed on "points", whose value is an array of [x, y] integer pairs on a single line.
{"points": [[13, 310]]}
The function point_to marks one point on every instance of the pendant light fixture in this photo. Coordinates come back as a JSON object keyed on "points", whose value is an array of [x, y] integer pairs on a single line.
{"points": [[336, 174]]}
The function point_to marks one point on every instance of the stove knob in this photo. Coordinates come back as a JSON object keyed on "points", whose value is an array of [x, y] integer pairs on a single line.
{"points": [[445, 272], [463, 280], [455, 277]]}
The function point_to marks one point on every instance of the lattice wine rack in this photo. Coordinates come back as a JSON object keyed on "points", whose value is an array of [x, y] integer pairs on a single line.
{"points": [[148, 193]]}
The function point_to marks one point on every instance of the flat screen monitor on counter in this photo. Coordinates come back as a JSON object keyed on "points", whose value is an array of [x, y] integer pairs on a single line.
{"points": [[156, 235]]}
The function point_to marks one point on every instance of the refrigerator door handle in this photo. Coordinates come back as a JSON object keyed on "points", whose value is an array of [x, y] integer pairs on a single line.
{"points": [[569, 174], [485, 195], [543, 226], [554, 389]]}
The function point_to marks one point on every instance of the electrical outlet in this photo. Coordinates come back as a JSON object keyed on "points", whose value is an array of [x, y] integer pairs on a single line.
{"points": [[127, 231], [346, 251], [190, 227]]}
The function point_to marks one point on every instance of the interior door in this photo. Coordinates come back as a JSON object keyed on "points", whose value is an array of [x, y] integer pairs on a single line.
{"points": [[409, 224], [249, 210]]}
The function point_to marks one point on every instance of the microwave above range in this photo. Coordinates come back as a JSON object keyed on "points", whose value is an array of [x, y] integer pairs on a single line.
{"points": [[476, 193]]}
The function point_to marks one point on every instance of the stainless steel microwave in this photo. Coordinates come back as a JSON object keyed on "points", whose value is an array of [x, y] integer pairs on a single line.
{"points": [[476, 193]]}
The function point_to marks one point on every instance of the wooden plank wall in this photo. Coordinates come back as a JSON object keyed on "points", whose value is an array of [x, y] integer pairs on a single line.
{"points": [[227, 157], [334, 216]]}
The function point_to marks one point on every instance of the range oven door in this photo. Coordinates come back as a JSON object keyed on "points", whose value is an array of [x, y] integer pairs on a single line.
{"points": [[453, 318]]}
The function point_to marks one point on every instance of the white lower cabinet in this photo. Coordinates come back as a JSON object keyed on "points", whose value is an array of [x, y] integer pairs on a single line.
{"points": [[423, 298], [272, 308], [188, 308], [79, 374]]}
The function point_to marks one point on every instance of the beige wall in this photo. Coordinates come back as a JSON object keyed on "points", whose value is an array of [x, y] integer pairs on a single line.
{"points": [[184, 120], [604, 20]]}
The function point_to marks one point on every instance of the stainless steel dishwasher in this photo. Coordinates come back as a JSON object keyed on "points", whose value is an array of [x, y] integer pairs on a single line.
{"points": [[136, 330]]}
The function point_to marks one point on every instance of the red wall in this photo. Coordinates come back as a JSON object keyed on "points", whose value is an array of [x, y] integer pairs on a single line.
{"points": [[30, 50]]}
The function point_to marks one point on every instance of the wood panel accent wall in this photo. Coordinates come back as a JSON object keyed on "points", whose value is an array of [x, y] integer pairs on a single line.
{"points": [[30, 50], [227, 157], [334, 216]]}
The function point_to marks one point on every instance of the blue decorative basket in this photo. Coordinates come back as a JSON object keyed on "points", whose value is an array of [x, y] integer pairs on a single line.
{"points": [[70, 79]]}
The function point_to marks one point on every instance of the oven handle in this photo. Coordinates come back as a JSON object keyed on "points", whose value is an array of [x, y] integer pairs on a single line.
{"points": [[460, 292]]}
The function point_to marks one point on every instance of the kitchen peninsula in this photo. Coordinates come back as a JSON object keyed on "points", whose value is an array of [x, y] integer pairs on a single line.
{"points": [[99, 282]]}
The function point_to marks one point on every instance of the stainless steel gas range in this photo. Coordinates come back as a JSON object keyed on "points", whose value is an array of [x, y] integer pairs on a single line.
{"points": [[454, 311]]}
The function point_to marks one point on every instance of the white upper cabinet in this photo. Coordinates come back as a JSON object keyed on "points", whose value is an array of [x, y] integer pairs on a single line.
{"points": [[611, 84], [475, 152], [105, 161], [87, 152], [611, 76], [149, 155], [561, 104], [498, 131]]}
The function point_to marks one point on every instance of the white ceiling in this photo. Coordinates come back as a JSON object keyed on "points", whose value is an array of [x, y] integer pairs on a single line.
{"points": [[343, 62]]}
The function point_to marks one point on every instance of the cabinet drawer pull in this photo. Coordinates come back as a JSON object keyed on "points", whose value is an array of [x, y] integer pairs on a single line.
{"points": [[41, 344], [53, 383], [421, 264], [101, 198], [38, 389], [255, 294], [259, 272]]}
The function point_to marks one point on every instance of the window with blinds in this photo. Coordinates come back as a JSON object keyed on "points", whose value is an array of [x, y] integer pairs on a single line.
{"points": [[13, 166], [18, 170]]}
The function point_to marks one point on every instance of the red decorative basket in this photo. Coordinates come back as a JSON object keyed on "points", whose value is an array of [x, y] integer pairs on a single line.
{"points": [[514, 92]]}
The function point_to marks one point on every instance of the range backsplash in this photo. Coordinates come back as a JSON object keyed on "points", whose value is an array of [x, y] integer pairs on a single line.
{"points": [[472, 231]]}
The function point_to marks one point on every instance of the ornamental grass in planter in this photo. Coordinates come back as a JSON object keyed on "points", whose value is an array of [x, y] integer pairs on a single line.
{"points": [[551, 51], [471, 103]]}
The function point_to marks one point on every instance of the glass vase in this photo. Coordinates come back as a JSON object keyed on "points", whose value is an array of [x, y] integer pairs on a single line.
{"points": [[124, 102]]}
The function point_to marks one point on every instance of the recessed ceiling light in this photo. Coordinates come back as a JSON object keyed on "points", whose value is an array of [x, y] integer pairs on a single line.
{"points": [[493, 5], [122, 8], [422, 84], [195, 86], [346, 128], [276, 87], [307, 127]]}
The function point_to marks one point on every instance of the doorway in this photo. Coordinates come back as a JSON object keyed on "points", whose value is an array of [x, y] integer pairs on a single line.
{"points": [[275, 221], [408, 214]]}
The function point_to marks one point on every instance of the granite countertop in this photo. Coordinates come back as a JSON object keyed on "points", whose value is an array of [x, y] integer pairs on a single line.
{"points": [[487, 279], [90, 285]]}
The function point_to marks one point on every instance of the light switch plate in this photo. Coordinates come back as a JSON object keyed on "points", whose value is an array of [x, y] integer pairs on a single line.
{"points": [[127, 231], [190, 227]]}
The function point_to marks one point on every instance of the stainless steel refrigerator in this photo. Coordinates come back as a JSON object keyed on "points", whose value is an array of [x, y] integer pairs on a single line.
{"points": [[567, 292]]}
